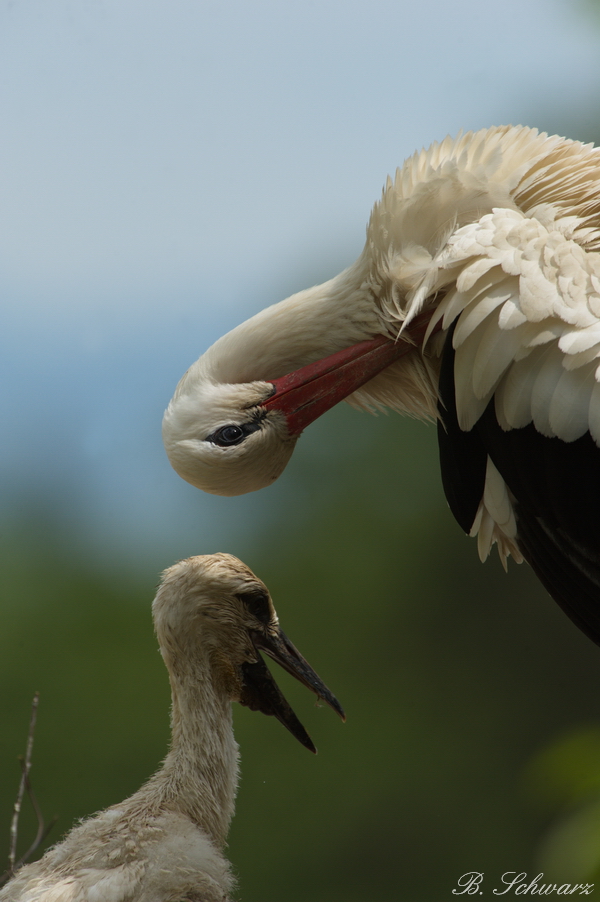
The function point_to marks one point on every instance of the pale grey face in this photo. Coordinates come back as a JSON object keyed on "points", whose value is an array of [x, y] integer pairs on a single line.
{"points": [[220, 439]]}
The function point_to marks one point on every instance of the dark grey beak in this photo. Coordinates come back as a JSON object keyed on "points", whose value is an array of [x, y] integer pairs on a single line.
{"points": [[261, 692]]}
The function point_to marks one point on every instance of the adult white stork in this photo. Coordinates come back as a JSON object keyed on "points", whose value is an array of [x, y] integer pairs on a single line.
{"points": [[476, 301], [213, 617]]}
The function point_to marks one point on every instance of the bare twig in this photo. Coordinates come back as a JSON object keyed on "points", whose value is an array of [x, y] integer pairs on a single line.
{"points": [[25, 768], [42, 831], [25, 787]]}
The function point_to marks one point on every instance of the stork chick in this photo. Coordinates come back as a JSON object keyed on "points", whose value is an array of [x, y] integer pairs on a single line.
{"points": [[213, 617], [476, 302]]}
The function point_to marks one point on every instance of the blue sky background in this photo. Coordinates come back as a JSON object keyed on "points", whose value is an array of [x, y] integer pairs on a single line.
{"points": [[170, 168]]}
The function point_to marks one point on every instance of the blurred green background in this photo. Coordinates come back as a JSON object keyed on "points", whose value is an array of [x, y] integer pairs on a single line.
{"points": [[172, 168], [456, 679]]}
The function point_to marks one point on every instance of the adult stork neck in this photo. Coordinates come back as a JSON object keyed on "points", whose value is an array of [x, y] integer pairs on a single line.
{"points": [[303, 328]]}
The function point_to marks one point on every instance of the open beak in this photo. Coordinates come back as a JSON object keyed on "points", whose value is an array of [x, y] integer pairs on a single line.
{"points": [[302, 396], [261, 692]]}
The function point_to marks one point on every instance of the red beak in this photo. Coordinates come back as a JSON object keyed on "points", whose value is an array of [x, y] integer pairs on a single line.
{"points": [[302, 396]]}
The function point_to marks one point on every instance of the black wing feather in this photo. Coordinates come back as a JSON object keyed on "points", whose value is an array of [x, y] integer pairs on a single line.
{"points": [[556, 485], [463, 457]]}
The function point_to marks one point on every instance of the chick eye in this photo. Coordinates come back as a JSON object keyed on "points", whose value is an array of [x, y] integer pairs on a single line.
{"points": [[228, 435], [257, 604]]}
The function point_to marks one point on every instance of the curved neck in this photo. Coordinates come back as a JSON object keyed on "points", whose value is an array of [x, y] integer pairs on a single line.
{"points": [[299, 330]]}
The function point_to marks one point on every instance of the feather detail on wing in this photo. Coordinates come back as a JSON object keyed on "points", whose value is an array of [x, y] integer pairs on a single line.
{"points": [[457, 182], [528, 325]]}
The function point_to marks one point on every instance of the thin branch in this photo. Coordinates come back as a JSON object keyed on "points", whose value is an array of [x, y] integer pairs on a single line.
{"points": [[25, 768], [42, 831], [25, 787]]}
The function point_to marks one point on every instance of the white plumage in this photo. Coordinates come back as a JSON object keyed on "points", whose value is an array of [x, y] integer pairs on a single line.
{"points": [[482, 267], [165, 843]]}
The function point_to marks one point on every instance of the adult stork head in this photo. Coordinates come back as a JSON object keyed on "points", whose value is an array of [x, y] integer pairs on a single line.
{"points": [[237, 413], [232, 438], [224, 440]]}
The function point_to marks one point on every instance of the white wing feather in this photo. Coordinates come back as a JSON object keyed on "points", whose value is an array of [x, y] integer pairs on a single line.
{"points": [[540, 290]]}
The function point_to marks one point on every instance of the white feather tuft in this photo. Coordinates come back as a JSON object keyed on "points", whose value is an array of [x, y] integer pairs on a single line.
{"points": [[495, 519]]}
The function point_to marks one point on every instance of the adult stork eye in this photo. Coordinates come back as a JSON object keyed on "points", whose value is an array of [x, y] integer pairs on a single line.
{"points": [[227, 435], [232, 434]]}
